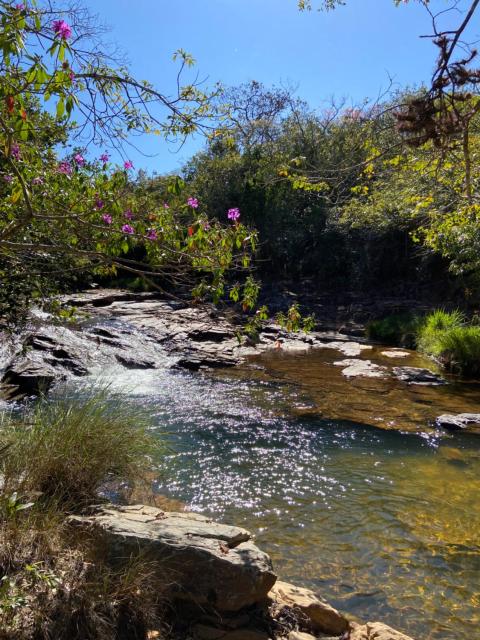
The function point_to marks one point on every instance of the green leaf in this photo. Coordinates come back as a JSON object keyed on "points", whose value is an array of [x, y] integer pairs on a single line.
{"points": [[60, 108]]}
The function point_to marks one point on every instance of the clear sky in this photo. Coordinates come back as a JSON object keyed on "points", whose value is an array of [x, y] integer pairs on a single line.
{"points": [[350, 52]]}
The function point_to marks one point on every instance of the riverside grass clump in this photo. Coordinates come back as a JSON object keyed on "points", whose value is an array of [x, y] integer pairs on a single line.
{"points": [[448, 337], [67, 447], [55, 581]]}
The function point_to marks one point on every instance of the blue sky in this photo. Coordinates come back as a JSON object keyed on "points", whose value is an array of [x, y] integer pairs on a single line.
{"points": [[350, 52]]}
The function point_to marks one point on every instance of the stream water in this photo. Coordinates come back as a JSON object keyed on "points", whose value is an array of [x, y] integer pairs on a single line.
{"points": [[382, 522]]}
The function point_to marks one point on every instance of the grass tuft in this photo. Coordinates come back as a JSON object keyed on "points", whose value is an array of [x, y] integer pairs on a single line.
{"points": [[449, 338], [66, 448], [55, 582]]}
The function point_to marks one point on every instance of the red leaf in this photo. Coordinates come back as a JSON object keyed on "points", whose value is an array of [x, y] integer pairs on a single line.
{"points": [[10, 102]]}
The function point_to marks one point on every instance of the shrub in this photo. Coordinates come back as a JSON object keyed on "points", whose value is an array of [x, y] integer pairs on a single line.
{"points": [[67, 448], [397, 329]]}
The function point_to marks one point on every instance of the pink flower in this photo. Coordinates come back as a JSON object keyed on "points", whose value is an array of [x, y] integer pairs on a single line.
{"points": [[65, 168], [15, 151], [152, 234], [104, 157], [128, 214], [107, 218], [8, 178], [99, 203], [166, 205], [37, 180], [192, 202], [233, 214], [128, 165], [62, 29], [79, 159], [20, 6], [128, 229], [71, 75]]}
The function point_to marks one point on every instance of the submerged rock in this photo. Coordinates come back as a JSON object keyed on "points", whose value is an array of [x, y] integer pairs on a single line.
{"points": [[355, 367], [395, 353], [213, 565], [348, 348], [417, 375], [458, 421], [320, 615]]}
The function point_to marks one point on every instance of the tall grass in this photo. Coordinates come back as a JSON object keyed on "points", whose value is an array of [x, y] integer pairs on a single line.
{"points": [[55, 582], [66, 448], [448, 337]]}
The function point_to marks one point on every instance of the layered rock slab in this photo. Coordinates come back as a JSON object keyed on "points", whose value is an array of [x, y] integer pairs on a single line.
{"points": [[320, 616], [211, 564]]}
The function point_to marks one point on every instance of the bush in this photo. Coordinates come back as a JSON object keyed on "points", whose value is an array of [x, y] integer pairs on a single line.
{"points": [[398, 329], [67, 448]]}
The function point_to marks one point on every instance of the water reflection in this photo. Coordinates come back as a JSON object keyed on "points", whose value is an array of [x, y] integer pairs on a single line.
{"points": [[385, 525]]}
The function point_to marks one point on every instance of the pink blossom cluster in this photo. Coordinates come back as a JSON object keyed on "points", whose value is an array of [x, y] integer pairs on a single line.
{"points": [[233, 214], [62, 29]]}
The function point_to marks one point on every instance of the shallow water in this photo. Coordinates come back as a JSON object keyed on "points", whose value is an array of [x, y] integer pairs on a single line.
{"points": [[384, 524]]}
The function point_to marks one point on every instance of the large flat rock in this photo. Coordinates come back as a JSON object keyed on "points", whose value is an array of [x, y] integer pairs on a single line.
{"points": [[211, 564]]}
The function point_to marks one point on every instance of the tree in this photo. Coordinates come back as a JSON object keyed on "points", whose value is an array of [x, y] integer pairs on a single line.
{"points": [[62, 209]]}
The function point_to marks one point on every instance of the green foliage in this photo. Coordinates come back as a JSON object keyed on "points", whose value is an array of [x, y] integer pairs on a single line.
{"points": [[63, 214], [66, 448], [449, 338], [293, 320], [397, 329]]}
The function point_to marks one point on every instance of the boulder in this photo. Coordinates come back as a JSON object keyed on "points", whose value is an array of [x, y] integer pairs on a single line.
{"points": [[376, 631], [458, 421], [321, 616], [417, 375], [212, 565]]}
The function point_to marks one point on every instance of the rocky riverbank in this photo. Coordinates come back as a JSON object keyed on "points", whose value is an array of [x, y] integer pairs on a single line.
{"points": [[197, 337], [219, 583], [140, 331]]}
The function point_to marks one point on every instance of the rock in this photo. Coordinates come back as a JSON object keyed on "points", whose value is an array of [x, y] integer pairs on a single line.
{"points": [[376, 631], [350, 349], [322, 617], [395, 353], [204, 632], [417, 375], [458, 421], [24, 378], [355, 367], [132, 362], [208, 563], [300, 635]]}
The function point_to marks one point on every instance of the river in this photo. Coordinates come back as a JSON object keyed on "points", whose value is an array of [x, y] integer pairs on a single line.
{"points": [[383, 522]]}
